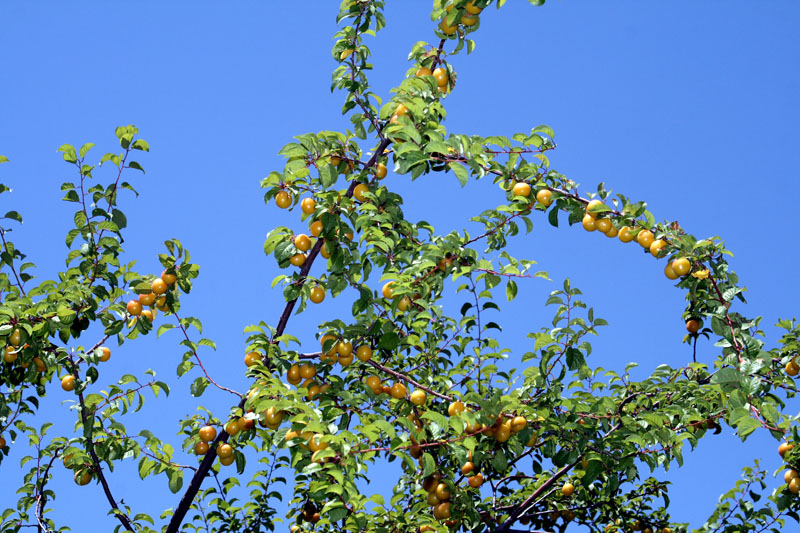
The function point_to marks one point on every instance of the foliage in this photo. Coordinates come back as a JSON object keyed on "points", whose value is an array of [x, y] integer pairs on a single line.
{"points": [[556, 444]]}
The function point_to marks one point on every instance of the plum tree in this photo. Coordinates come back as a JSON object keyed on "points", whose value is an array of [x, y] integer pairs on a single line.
{"points": [[561, 445]]}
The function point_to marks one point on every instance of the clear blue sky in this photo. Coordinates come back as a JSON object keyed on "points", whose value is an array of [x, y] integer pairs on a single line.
{"points": [[691, 106]]}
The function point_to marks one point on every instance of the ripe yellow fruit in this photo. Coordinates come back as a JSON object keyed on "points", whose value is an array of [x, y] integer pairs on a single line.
{"points": [[423, 71], [544, 197], [612, 232], [226, 461], [283, 199], [669, 272], [298, 260], [147, 299], [645, 238], [418, 397], [344, 54], [134, 308], [794, 486], [681, 266], [442, 511], [308, 205], [159, 286], [224, 450], [455, 408], [316, 444], [15, 338], [592, 206], [232, 428], [521, 189], [201, 448], [168, 278], [567, 489], [207, 433], [430, 482], [148, 314], [346, 360], [324, 251], [82, 478], [10, 354], [404, 303], [161, 304], [317, 294], [313, 391], [316, 228], [380, 168], [475, 481], [784, 448], [293, 375], [626, 234], [302, 242], [792, 368], [471, 9], [252, 358], [358, 192], [518, 423], [603, 225], [364, 353], [344, 349], [441, 76], [502, 433], [790, 475], [589, 222], [468, 21], [388, 290], [398, 391], [374, 383], [246, 423], [68, 383], [105, 354], [332, 350], [308, 371], [40, 366], [692, 326], [442, 492], [447, 29], [468, 467], [656, 246]]}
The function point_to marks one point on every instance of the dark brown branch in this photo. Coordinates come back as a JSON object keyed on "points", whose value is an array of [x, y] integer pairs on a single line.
{"points": [[96, 460]]}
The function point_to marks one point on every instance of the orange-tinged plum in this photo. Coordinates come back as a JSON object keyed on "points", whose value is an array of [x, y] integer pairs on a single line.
{"points": [[283, 199], [544, 197], [308, 205]]}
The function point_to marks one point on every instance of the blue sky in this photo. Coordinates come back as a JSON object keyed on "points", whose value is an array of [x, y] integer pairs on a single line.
{"points": [[690, 106]]}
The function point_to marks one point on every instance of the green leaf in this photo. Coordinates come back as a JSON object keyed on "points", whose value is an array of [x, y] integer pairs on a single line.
{"points": [[199, 385], [511, 289], [163, 328], [728, 378], [69, 154], [13, 215], [460, 171], [175, 479], [85, 148], [141, 144]]}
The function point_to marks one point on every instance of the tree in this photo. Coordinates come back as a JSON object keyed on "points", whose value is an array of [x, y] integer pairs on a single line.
{"points": [[558, 444]]}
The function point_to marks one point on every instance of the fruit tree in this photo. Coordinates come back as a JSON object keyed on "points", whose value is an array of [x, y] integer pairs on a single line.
{"points": [[408, 370]]}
